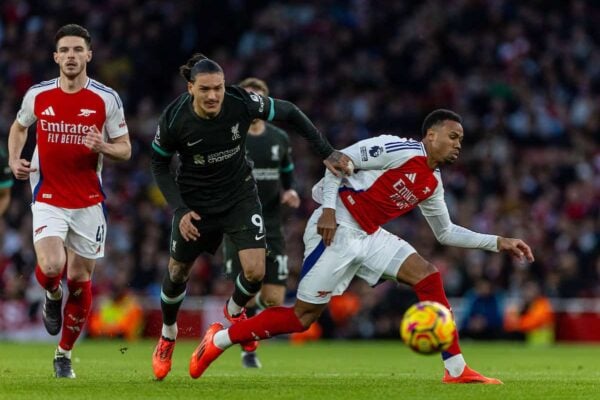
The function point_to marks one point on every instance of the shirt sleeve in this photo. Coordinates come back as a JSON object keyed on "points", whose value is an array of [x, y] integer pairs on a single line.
{"points": [[435, 211], [115, 124], [163, 143], [163, 149], [331, 186], [379, 152], [258, 106], [287, 165], [26, 116]]}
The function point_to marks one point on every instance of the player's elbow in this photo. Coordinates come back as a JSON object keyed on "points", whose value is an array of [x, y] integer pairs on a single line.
{"points": [[443, 237], [127, 152]]}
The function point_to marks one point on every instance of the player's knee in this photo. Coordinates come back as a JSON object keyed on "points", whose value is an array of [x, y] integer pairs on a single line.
{"points": [[270, 300], [51, 266], [179, 272], [255, 274], [429, 269], [307, 316], [424, 270]]}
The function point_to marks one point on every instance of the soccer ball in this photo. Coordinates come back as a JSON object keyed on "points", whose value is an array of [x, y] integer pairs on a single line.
{"points": [[427, 327]]}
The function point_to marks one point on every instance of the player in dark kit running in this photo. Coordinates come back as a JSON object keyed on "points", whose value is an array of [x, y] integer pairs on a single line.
{"points": [[268, 147], [215, 192]]}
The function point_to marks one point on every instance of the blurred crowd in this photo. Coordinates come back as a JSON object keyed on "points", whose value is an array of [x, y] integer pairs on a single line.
{"points": [[525, 76]]}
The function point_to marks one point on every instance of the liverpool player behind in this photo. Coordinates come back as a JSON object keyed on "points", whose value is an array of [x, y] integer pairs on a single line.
{"points": [[344, 238], [214, 192], [78, 122]]}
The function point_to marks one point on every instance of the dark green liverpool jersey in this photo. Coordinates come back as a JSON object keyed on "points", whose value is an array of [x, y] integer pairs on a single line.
{"points": [[271, 154], [213, 174]]}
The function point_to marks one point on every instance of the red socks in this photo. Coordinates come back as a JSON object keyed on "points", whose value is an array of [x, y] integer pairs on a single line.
{"points": [[76, 312], [270, 322], [48, 283], [431, 288]]}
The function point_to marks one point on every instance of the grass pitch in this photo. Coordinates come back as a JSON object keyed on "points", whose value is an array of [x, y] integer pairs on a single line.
{"points": [[342, 370]]}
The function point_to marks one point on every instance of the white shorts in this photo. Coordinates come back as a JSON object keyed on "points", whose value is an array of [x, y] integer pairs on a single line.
{"points": [[82, 229], [327, 271]]}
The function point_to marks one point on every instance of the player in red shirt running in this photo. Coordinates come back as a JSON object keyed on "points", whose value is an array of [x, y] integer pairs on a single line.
{"points": [[79, 121], [344, 238]]}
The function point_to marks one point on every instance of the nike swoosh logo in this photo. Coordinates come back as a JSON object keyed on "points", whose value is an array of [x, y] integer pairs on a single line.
{"points": [[190, 144], [259, 237]]}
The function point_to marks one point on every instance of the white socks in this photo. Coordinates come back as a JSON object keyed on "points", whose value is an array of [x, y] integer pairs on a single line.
{"points": [[63, 352], [222, 340], [170, 331], [455, 365], [232, 308]]}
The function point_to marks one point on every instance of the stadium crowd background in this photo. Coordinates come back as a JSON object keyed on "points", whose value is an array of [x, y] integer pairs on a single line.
{"points": [[524, 75]]}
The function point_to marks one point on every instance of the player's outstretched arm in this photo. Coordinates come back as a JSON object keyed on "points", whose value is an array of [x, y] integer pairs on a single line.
{"points": [[516, 247], [288, 112], [17, 137]]}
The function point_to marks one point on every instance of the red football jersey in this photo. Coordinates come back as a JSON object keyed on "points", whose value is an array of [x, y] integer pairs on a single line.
{"points": [[68, 173], [392, 178]]}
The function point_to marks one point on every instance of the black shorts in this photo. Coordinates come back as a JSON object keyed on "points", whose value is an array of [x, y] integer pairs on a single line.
{"points": [[276, 264], [243, 223]]}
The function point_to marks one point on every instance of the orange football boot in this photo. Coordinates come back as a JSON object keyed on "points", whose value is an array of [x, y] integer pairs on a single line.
{"points": [[206, 352], [470, 376], [161, 358]]}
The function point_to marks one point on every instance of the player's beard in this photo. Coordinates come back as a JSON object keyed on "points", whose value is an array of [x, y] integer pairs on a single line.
{"points": [[72, 73], [211, 113]]}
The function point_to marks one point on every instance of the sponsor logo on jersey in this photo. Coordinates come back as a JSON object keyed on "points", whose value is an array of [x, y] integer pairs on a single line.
{"points": [[275, 152], [266, 174], [426, 190], [65, 133], [65, 127], [86, 112], [403, 197], [49, 111], [376, 151], [235, 132], [259, 237], [223, 155]]}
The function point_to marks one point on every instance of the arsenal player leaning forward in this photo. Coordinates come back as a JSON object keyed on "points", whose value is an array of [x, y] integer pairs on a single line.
{"points": [[344, 238]]}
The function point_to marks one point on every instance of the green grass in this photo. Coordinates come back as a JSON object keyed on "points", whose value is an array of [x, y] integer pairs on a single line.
{"points": [[324, 370]]}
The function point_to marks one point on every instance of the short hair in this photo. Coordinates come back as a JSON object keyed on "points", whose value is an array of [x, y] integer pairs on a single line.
{"points": [[73, 30], [199, 64], [256, 84], [437, 117]]}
